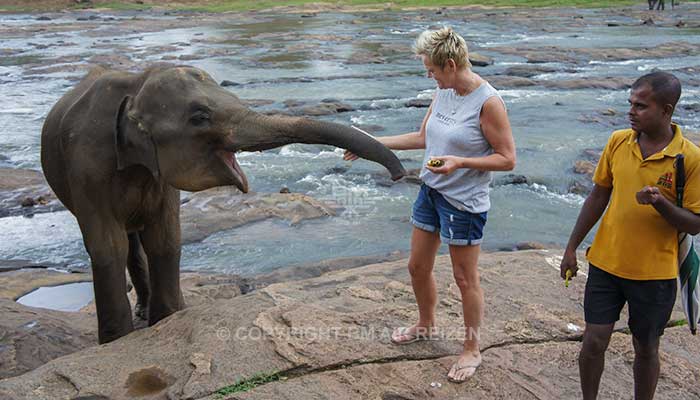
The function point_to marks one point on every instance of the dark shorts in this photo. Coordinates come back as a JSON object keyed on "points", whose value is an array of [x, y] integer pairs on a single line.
{"points": [[431, 212], [649, 302]]}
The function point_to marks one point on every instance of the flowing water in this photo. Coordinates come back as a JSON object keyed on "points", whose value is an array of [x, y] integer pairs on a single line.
{"points": [[277, 57]]}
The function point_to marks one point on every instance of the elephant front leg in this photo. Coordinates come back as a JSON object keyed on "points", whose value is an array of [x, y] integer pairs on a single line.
{"points": [[107, 244], [161, 241]]}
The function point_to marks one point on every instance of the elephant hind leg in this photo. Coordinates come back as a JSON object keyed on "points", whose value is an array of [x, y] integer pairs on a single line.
{"points": [[137, 265]]}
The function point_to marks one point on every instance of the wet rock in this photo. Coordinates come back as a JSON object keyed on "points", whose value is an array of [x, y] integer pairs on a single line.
{"points": [[118, 61], [227, 83], [28, 202], [648, 21], [609, 83], [370, 128], [479, 60], [695, 107], [364, 57], [504, 82], [293, 103], [285, 190], [584, 167], [62, 68], [530, 246], [413, 176], [581, 188], [257, 102], [340, 323], [322, 109], [609, 112], [225, 208], [528, 71], [23, 191], [191, 57], [512, 179], [419, 103], [43, 18], [31, 337], [592, 154]]}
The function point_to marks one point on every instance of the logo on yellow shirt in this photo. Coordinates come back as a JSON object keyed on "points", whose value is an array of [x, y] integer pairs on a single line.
{"points": [[666, 180]]}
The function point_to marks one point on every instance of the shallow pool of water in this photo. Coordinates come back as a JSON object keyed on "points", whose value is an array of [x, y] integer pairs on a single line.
{"points": [[69, 297]]}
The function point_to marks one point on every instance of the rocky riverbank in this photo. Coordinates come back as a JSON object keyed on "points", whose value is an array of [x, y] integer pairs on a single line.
{"points": [[328, 337]]}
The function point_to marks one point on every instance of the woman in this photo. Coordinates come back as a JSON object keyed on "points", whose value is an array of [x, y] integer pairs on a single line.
{"points": [[466, 128]]}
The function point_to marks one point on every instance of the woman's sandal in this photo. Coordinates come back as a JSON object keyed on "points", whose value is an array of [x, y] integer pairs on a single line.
{"points": [[409, 337], [461, 367]]}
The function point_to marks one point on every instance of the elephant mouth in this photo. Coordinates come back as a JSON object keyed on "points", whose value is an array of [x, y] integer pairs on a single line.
{"points": [[237, 176]]}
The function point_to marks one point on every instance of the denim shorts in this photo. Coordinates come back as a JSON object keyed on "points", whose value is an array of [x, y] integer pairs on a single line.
{"points": [[432, 212]]}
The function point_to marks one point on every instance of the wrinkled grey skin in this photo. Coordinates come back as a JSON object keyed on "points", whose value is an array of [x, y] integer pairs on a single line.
{"points": [[117, 148]]}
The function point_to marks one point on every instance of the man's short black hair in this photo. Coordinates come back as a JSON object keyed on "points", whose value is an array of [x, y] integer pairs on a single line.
{"points": [[666, 88]]}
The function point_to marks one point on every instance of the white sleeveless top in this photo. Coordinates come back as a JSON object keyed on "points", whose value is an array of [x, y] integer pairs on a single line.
{"points": [[454, 129]]}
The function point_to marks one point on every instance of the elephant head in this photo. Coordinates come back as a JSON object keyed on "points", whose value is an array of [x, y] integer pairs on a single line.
{"points": [[185, 128]]}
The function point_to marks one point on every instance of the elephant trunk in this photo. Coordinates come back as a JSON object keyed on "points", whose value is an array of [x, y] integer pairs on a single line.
{"points": [[258, 132]]}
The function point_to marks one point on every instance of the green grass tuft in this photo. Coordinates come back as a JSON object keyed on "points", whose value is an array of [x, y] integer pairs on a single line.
{"points": [[117, 5], [678, 322], [244, 385]]}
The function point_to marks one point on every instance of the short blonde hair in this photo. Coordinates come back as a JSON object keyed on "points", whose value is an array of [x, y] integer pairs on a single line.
{"points": [[441, 45]]}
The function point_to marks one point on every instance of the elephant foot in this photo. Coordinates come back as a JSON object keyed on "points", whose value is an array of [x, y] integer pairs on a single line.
{"points": [[141, 312], [141, 316]]}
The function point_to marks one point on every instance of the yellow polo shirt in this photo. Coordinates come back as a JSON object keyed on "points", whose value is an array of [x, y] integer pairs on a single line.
{"points": [[634, 241]]}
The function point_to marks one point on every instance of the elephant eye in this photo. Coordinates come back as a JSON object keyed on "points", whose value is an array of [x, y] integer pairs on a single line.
{"points": [[200, 118]]}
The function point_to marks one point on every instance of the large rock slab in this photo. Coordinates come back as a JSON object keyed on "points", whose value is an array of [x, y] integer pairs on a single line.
{"points": [[304, 327], [547, 370], [225, 208], [30, 337]]}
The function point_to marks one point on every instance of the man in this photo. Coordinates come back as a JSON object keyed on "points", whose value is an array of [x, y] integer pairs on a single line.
{"points": [[633, 257]]}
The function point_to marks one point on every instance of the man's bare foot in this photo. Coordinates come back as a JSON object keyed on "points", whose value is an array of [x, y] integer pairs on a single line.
{"points": [[465, 367], [406, 335]]}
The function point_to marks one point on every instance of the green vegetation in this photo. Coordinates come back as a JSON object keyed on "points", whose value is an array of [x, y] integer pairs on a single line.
{"points": [[245, 385], [118, 5], [678, 322], [246, 5]]}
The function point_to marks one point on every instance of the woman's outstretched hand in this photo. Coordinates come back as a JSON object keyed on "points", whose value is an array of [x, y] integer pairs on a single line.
{"points": [[450, 164]]}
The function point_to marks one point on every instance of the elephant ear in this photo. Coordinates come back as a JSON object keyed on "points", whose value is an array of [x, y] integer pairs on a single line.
{"points": [[133, 144]]}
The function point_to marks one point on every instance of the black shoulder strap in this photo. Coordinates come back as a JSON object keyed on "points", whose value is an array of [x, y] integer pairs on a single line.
{"points": [[680, 179]]}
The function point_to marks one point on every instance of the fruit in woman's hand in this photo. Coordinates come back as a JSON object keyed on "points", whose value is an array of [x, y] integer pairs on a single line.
{"points": [[436, 163]]}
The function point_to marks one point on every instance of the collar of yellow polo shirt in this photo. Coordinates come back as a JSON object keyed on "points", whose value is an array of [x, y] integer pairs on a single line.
{"points": [[634, 241]]}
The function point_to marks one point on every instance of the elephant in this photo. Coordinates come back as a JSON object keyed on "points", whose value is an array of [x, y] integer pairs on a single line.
{"points": [[118, 148]]}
